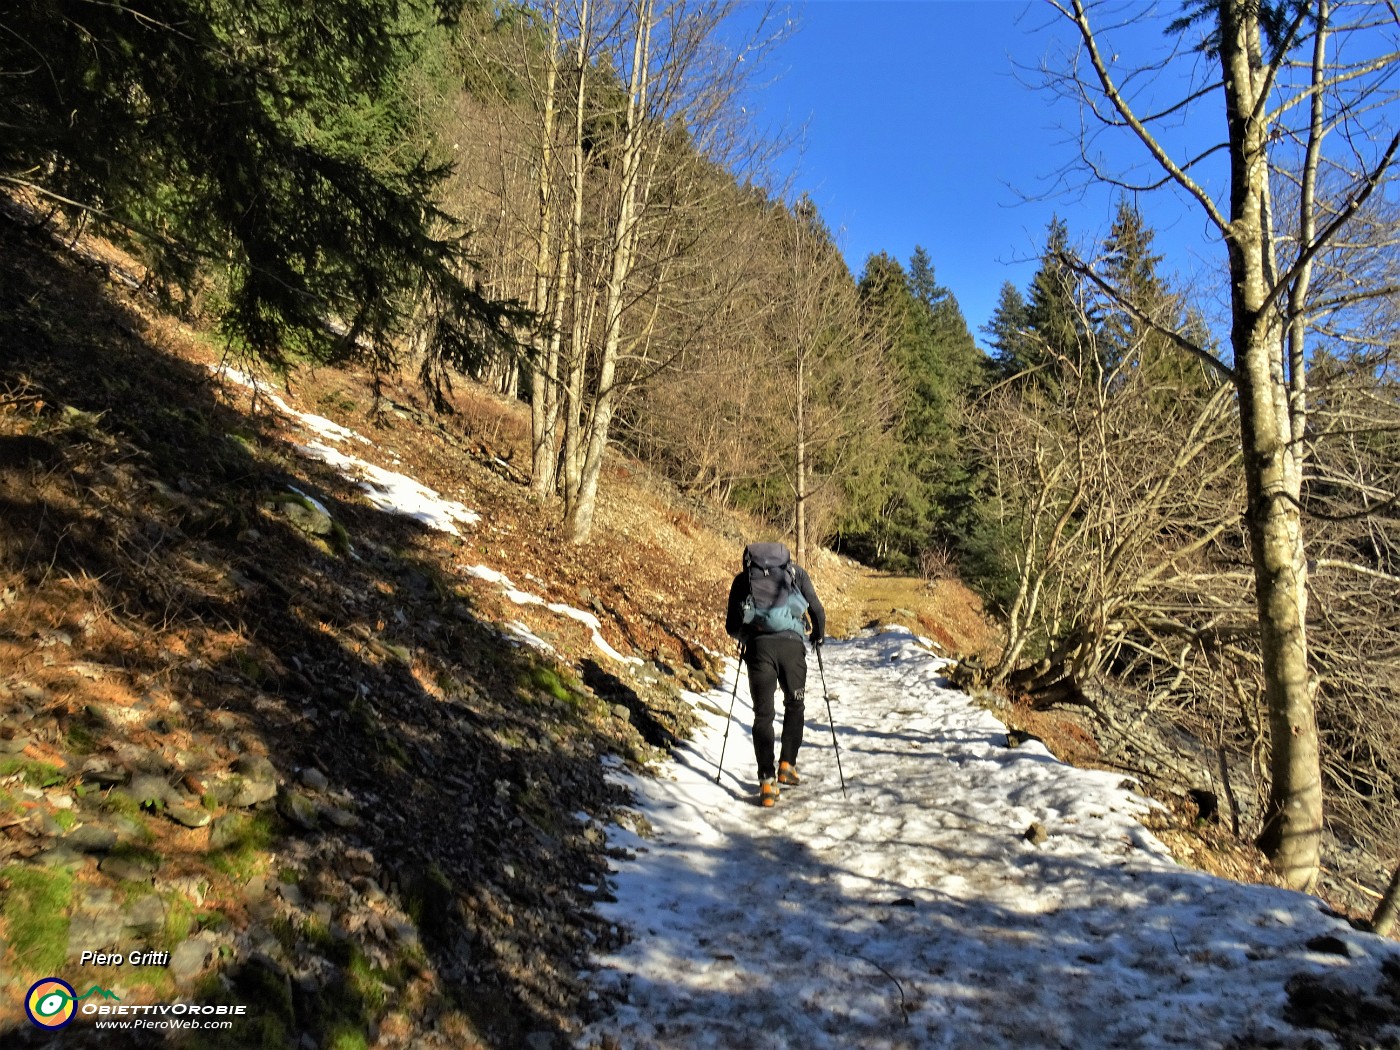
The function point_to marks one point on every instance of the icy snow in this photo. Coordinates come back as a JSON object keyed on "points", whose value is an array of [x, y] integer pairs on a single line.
{"points": [[913, 912], [519, 597]]}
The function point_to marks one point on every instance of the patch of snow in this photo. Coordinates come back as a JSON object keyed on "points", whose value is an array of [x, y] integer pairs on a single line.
{"points": [[911, 910]]}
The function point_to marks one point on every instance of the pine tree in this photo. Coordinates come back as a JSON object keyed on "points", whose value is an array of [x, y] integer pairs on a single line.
{"points": [[938, 366], [263, 142], [1136, 319], [1008, 331], [1060, 325]]}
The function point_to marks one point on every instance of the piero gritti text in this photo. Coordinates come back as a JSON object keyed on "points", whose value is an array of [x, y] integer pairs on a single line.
{"points": [[137, 958]]}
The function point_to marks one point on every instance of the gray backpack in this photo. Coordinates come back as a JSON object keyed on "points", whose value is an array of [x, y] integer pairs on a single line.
{"points": [[775, 603]]}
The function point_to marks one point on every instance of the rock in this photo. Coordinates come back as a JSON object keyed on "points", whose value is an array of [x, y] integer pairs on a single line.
{"points": [[291, 893], [127, 869], [33, 693], [539, 1041], [305, 513], [621, 712], [14, 745], [191, 888], [190, 957], [226, 831], [257, 781], [297, 809], [60, 856], [129, 830], [44, 823], [146, 915], [255, 767], [360, 861], [314, 779], [1036, 834], [341, 818], [189, 816], [97, 921], [142, 759], [91, 838], [95, 771], [403, 932], [148, 790]]}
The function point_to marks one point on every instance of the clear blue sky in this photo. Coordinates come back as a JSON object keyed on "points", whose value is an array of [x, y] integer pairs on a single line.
{"points": [[921, 130]]}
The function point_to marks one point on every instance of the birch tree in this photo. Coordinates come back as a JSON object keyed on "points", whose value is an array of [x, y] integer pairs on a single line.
{"points": [[652, 90], [1302, 91]]}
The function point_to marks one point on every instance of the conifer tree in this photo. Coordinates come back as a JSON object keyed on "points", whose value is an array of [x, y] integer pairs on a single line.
{"points": [[262, 140], [1008, 331], [938, 367], [1137, 317]]}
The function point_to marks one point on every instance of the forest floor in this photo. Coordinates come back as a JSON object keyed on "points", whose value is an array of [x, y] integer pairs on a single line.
{"points": [[313, 761]]}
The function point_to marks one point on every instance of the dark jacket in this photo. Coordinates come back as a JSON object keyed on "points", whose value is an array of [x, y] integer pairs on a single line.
{"points": [[739, 591]]}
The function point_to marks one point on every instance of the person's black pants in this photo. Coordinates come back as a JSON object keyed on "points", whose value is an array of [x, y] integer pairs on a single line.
{"points": [[776, 660]]}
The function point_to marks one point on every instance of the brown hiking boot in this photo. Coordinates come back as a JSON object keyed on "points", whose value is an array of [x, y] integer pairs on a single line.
{"points": [[787, 774], [767, 793]]}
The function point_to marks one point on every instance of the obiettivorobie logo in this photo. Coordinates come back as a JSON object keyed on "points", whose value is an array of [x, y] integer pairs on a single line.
{"points": [[52, 1003]]}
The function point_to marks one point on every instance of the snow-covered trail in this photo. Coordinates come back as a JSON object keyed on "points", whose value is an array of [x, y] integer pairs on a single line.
{"points": [[915, 912]]}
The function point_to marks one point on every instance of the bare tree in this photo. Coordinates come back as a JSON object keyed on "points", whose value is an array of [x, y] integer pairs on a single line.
{"points": [[674, 107], [1303, 90]]}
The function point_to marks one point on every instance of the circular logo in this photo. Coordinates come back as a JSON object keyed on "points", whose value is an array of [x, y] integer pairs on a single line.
{"points": [[51, 1003]]}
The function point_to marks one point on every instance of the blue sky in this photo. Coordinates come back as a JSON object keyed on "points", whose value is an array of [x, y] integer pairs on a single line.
{"points": [[921, 130]]}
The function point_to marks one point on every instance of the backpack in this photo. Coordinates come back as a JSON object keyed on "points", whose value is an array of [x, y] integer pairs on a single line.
{"points": [[775, 603]]}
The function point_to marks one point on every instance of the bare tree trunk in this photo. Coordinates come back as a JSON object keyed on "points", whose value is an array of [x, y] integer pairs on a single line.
{"points": [[622, 249], [1383, 920], [544, 363], [801, 479], [1292, 835]]}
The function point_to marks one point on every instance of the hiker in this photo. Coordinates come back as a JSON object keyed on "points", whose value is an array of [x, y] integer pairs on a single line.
{"points": [[769, 604]]}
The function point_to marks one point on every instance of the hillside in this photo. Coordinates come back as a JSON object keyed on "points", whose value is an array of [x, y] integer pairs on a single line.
{"points": [[310, 758]]}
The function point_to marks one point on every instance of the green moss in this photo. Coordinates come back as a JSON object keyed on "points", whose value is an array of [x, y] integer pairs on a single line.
{"points": [[155, 978], [81, 740], [368, 985], [340, 539], [179, 922], [552, 682], [345, 1036], [36, 774], [122, 805], [249, 666], [249, 839], [36, 902], [65, 818], [212, 920], [142, 855]]}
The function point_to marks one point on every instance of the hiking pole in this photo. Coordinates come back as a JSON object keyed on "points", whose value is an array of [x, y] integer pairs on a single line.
{"points": [[830, 719], [727, 724]]}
